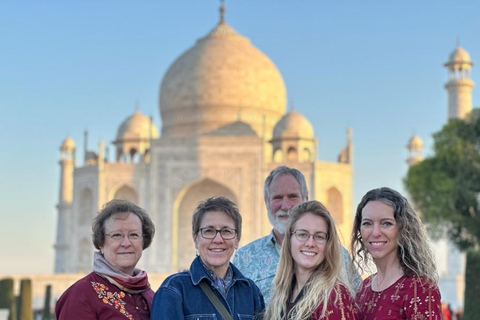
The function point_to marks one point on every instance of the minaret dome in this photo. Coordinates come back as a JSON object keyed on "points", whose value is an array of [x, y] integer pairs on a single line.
{"points": [[459, 85]]}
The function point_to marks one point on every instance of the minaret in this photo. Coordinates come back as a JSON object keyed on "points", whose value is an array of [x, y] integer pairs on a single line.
{"points": [[415, 148], [64, 206], [346, 155], [459, 85]]}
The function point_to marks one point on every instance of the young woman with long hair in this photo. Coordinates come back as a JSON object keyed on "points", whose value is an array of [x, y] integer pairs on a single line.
{"points": [[388, 231], [311, 281]]}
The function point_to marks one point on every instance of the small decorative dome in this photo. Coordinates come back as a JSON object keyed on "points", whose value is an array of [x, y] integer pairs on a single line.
{"points": [[222, 75], [68, 145], [459, 55], [415, 143], [293, 125], [137, 126], [459, 60]]}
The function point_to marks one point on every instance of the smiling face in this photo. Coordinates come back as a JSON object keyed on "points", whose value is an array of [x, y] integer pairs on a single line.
{"points": [[216, 253], [123, 254], [308, 255], [379, 229], [284, 194]]}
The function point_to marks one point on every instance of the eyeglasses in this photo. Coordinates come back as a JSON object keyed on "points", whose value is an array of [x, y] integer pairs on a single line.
{"points": [[225, 233], [118, 237], [303, 236]]}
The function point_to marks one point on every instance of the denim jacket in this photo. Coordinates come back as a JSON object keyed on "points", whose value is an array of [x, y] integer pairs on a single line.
{"points": [[180, 297]]}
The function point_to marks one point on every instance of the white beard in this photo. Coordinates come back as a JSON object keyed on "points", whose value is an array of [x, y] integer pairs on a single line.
{"points": [[279, 224]]}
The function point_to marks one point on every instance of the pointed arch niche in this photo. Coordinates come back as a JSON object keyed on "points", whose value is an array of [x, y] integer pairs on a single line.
{"points": [[86, 210], [184, 250], [126, 193], [84, 255], [335, 204], [292, 154]]}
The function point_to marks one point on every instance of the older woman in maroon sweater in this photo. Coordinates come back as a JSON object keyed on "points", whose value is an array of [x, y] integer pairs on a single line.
{"points": [[115, 289]]}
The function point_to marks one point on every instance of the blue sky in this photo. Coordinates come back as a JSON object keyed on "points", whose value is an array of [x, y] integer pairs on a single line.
{"points": [[67, 66]]}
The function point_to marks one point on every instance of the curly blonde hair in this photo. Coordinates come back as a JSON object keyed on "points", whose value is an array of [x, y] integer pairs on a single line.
{"points": [[326, 278], [414, 252]]}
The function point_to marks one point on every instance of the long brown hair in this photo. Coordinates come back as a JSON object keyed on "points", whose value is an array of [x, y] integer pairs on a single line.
{"points": [[414, 252]]}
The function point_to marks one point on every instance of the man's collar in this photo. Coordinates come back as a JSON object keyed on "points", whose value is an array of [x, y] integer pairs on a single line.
{"points": [[274, 242]]}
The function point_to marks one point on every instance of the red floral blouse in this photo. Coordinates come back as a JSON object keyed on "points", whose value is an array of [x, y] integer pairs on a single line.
{"points": [[409, 297], [94, 298]]}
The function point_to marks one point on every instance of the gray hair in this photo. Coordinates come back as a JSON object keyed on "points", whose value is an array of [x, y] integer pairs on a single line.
{"points": [[285, 170], [221, 204], [118, 207]]}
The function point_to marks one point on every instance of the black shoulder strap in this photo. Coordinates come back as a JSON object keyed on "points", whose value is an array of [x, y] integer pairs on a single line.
{"points": [[215, 301]]}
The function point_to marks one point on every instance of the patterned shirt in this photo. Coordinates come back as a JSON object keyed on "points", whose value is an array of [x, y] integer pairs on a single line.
{"points": [[258, 261], [222, 285], [409, 297]]}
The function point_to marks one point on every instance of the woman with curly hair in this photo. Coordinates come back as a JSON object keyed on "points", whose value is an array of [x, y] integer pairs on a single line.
{"points": [[311, 281], [388, 231]]}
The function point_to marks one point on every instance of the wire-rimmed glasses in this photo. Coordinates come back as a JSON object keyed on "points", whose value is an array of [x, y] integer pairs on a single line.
{"points": [[304, 235]]}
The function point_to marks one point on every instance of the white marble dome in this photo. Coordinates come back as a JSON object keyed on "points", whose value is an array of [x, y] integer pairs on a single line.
{"points": [[68, 145], [459, 55], [415, 143], [293, 125], [137, 126], [459, 60], [221, 79]]}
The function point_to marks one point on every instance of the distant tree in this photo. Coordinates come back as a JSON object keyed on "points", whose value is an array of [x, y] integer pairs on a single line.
{"points": [[446, 189]]}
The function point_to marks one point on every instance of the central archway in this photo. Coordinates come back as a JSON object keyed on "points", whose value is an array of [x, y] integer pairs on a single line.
{"points": [[194, 193]]}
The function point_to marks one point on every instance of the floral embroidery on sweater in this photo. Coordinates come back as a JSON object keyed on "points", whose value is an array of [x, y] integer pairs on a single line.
{"points": [[114, 299]]}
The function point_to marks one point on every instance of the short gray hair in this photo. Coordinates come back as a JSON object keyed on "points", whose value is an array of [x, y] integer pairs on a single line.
{"points": [[285, 170], [114, 208], [221, 204]]}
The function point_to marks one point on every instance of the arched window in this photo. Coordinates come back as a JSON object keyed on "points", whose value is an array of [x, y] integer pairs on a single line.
{"points": [[292, 154], [86, 210], [85, 255], [335, 204], [197, 192], [306, 155], [126, 193]]}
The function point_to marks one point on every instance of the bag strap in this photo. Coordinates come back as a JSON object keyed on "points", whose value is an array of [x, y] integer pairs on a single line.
{"points": [[216, 302]]}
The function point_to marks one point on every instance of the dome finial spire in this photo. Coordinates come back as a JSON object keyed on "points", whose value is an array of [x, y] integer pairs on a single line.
{"points": [[222, 11], [458, 42], [291, 105], [137, 106]]}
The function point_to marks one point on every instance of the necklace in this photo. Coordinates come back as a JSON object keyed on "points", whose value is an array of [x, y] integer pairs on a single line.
{"points": [[376, 293], [387, 280]]}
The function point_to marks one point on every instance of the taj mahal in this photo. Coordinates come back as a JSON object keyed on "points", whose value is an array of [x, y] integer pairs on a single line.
{"points": [[225, 126]]}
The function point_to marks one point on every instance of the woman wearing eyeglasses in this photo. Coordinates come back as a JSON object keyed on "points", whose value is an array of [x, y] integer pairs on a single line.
{"points": [[115, 289], [311, 282], [216, 230]]}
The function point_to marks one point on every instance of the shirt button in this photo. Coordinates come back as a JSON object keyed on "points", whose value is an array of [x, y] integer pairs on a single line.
{"points": [[136, 308]]}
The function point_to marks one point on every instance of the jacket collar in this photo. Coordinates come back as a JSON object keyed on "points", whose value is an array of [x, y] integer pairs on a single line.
{"points": [[198, 273]]}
